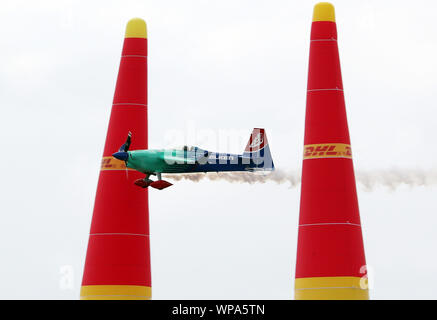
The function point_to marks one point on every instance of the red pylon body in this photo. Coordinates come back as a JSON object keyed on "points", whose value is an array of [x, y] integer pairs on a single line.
{"points": [[330, 254], [117, 263]]}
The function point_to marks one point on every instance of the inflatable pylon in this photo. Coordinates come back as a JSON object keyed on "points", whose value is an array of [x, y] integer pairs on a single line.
{"points": [[330, 260], [117, 263]]}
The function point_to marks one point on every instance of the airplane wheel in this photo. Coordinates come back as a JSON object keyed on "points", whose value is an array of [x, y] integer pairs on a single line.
{"points": [[143, 183]]}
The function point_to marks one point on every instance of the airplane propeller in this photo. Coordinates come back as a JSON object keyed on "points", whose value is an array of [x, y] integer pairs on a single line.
{"points": [[122, 154], [125, 147]]}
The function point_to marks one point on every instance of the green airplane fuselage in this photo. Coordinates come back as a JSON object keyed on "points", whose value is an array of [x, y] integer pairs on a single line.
{"points": [[182, 161]]}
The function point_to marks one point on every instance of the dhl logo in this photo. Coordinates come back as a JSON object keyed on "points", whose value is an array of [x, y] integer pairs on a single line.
{"points": [[110, 163], [327, 150]]}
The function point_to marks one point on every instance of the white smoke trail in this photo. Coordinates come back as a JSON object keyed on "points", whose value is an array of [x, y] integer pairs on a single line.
{"points": [[278, 176], [368, 180], [394, 178]]}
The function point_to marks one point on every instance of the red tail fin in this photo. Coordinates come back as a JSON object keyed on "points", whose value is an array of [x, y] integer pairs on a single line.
{"points": [[257, 141]]}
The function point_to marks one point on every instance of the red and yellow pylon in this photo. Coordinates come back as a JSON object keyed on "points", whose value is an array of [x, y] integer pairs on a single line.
{"points": [[330, 254], [117, 264]]}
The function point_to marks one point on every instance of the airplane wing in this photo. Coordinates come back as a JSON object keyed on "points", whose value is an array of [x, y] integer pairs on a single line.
{"points": [[201, 155], [179, 159]]}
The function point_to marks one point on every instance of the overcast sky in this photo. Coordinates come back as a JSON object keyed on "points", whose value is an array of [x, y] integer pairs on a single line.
{"points": [[216, 67]]}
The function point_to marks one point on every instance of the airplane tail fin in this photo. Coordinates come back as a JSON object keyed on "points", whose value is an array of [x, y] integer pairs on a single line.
{"points": [[258, 151]]}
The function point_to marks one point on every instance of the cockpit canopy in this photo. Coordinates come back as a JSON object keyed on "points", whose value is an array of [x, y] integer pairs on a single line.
{"points": [[189, 148], [196, 150]]}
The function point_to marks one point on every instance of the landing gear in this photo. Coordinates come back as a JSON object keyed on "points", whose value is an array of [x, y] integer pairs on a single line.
{"points": [[159, 184], [143, 183]]}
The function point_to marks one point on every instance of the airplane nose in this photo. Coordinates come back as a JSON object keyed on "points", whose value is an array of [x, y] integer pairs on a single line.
{"points": [[121, 155]]}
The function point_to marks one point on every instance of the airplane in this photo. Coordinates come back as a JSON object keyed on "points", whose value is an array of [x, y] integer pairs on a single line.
{"points": [[256, 157]]}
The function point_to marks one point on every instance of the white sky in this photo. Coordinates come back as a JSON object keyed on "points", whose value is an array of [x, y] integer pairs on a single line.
{"points": [[222, 66]]}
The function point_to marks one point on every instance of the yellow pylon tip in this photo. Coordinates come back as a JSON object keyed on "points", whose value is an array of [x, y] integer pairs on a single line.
{"points": [[324, 11], [136, 28]]}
